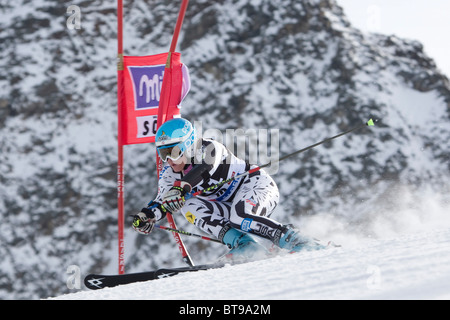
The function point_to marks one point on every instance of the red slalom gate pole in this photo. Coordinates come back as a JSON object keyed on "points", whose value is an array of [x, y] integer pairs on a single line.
{"points": [[180, 19], [162, 114], [120, 171]]}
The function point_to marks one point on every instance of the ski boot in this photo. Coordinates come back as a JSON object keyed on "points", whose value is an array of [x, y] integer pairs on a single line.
{"points": [[293, 241], [243, 247]]}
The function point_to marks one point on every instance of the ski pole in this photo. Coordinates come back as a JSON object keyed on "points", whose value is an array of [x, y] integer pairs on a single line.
{"points": [[186, 233], [190, 195]]}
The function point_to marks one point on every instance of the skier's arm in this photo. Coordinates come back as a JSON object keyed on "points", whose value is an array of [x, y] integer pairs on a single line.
{"points": [[206, 162], [145, 220]]}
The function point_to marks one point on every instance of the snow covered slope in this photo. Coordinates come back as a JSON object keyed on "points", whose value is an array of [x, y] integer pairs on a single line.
{"points": [[414, 266], [405, 256]]}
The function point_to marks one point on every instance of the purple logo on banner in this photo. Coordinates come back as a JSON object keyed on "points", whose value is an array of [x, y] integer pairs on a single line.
{"points": [[147, 83]]}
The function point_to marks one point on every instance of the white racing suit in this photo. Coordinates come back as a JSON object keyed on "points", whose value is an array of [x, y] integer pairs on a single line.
{"points": [[245, 203]]}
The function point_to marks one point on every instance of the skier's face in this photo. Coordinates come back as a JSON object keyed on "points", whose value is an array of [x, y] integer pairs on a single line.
{"points": [[178, 165]]}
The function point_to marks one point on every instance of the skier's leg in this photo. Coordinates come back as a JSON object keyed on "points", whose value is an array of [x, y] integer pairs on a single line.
{"points": [[210, 217], [253, 204], [251, 208], [213, 218]]}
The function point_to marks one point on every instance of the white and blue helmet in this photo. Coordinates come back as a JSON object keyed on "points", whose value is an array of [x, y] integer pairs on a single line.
{"points": [[174, 138]]}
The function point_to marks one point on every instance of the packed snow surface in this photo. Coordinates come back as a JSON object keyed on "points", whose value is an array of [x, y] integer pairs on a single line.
{"points": [[409, 266]]}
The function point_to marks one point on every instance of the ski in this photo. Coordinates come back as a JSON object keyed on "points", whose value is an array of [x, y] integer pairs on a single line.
{"points": [[99, 281]]}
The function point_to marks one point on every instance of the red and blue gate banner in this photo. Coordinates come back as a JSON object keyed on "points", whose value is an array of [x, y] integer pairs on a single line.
{"points": [[142, 84]]}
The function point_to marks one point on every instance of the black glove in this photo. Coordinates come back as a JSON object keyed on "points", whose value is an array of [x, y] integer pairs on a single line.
{"points": [[174, 198], [144, 221]]}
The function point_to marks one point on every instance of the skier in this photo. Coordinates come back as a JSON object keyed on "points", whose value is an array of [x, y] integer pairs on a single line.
{"points": [[234, 212]]}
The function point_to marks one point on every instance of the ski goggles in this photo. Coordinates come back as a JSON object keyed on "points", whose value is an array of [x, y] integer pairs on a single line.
{"points": [[173, 152]]}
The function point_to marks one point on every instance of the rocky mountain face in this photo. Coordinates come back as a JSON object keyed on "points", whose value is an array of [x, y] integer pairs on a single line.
{"points": [[297, 68]]}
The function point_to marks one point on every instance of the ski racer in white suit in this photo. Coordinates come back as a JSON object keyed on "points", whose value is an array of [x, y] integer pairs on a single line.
{"points": [[232, 213]]}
